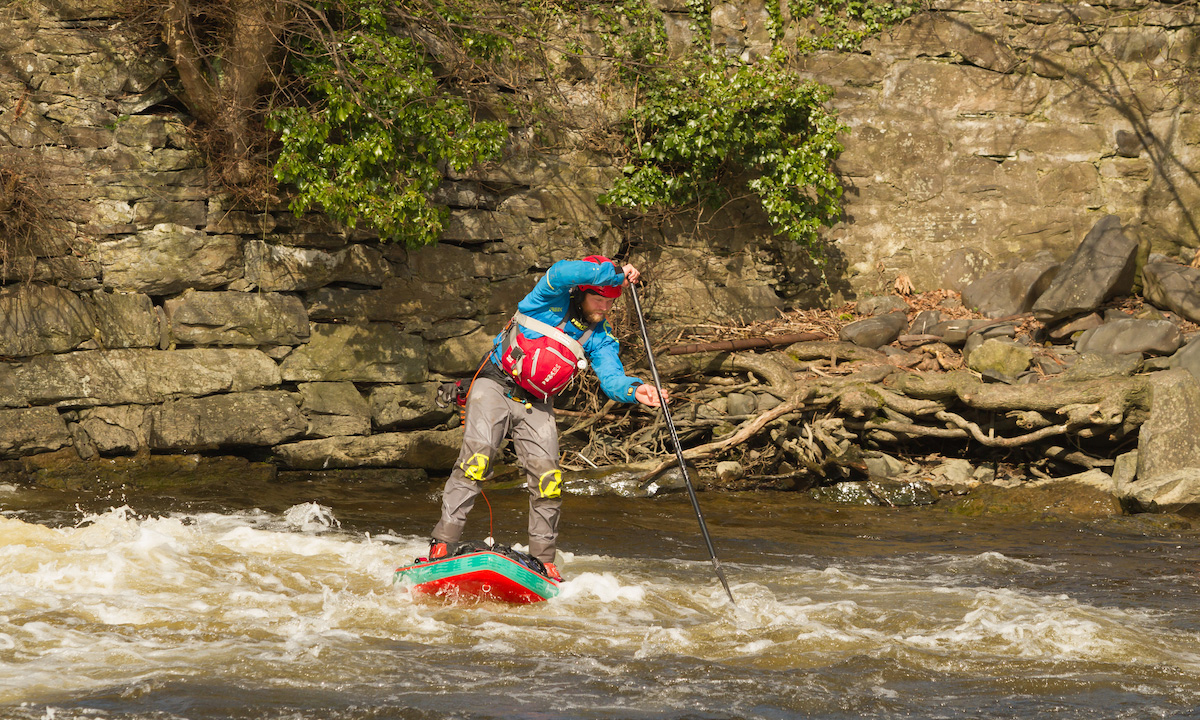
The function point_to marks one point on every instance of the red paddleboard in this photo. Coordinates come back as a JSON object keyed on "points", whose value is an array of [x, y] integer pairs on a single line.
{"points": [[477, 576]]}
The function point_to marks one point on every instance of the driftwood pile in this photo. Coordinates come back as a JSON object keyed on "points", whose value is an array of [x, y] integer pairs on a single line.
{"points": [[788, 410]]}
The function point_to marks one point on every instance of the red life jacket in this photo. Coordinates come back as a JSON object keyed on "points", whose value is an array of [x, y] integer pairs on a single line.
{"points": [[543, 365]]}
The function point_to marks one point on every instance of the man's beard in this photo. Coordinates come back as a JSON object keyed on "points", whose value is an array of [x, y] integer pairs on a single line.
{"points": [[595, 317]]}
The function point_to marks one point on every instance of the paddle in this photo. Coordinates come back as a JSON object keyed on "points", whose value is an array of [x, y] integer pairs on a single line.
{"points": [[637, 306]]}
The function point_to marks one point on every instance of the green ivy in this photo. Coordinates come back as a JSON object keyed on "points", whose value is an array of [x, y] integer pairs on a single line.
{"points": [[700, 11], [719, 130], [369, 145], [844, 24]]}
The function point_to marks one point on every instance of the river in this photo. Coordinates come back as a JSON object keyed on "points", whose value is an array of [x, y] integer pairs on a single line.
{"points": [[276, 601]]}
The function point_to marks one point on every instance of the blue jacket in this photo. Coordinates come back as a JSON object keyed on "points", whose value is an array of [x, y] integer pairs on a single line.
{"points": [[550, 301]]}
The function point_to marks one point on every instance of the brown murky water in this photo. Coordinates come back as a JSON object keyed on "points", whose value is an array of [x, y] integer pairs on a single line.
{"points": [[275, 601]]}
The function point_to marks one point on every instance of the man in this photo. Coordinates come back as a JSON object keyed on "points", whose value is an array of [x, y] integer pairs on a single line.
{"points": [[560, 327]]}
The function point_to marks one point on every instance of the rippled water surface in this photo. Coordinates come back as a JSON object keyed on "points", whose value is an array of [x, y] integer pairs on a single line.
{"points": [[276, 601]]}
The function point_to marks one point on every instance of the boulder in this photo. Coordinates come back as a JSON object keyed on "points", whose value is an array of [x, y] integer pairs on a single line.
{"points": [[925, 321], [1131, 335], [405, 406], [874, 332], [881, 305], [248, 419], [237, 318], [1102, 266], [1173, 287], [126, 320], [334, 408], [426, 449], [357, 352], [1011, 291], [117, 430], [460, 356], [280, 268], [1168, 460], [1001, 357], [37, 318], [1188, 358], [170, 258], [955, 332], [93, 377], [1091, 366], [1169, 492], [28, 431], [414, 303]]}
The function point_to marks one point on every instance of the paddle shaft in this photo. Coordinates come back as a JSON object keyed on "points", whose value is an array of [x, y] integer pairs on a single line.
{"points": [[637, 306]]}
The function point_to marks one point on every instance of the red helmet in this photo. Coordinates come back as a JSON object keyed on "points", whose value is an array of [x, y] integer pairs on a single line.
{"points": [[609, 291]]}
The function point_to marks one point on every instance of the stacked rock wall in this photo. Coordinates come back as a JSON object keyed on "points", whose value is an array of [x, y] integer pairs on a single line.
{"points": [[153, 318]]}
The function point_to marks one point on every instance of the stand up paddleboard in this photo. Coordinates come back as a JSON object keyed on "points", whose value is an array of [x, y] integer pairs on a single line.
{"points": [[475, 576]]}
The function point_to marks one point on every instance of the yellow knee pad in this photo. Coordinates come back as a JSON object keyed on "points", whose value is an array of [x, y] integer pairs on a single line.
{"points": [[550, 484], [475, 467]]}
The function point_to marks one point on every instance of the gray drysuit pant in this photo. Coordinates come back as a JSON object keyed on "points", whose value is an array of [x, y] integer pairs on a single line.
{"points": [[491, 416]]}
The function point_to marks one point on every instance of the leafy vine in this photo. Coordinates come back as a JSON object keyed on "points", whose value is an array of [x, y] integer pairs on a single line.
{"points": [[716, 130]]}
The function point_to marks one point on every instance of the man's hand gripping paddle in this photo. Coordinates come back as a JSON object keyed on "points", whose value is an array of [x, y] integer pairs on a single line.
{"points": [[637, 306]]}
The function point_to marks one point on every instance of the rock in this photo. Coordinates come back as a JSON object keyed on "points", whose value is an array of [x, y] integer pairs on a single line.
{"points": [[117, 430], [881, 305], [955, 332], [1011, 291], [963, 266], [1053, 499], [1101, 267], [882, 465], [1173, 287], [237, 318], [27, 431], [403, 406], [953, 472], [1094, 478], [414, 303], [1168, 443], [427, 449], [1091, 366], [168, 259], [334, 408], [92, 377], [249, 419], [1123, 337], [1169, 492], [280, 268], [126, 320], [357, 352], [156, 473], [925, 321], [1000, 356], [1188, 358], [459, 356], [741, 403], [1064, 331], [37, 318], [874, 332], [729, 471], [845, 493], [888, 493]]}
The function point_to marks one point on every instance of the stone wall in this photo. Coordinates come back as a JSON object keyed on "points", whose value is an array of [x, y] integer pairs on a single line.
{"points": [[155, 319]]}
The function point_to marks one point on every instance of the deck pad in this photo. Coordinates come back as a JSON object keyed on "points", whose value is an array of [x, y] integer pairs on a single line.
{"points": [[477, 576]]}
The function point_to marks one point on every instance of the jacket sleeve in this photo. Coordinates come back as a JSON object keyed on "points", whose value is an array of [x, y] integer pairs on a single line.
{"points": [[566, 275], [604, 353]]}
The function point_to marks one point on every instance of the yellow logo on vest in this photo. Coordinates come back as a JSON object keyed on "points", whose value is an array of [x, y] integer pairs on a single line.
{"points": [[550, 484], [475, 468]]}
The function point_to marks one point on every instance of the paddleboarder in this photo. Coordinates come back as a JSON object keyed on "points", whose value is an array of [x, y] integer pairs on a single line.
{"points": [[559, 329]]}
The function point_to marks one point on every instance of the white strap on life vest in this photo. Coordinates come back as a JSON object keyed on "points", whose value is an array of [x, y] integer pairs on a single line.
{"points": [[554, 333]]}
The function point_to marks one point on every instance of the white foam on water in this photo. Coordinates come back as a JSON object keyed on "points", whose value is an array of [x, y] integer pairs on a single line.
{"points": [[121, 599]]}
